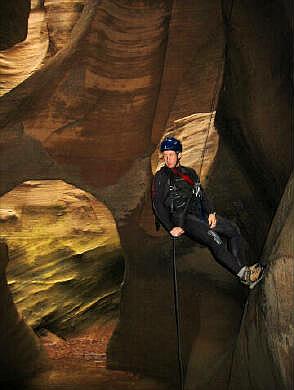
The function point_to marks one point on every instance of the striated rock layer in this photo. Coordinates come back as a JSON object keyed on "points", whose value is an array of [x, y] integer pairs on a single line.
{"points": [[147, 311], [59, 238], [113, 72], [21, 60], [61, 16], [92, 116], [49, 27], [200, 140]]}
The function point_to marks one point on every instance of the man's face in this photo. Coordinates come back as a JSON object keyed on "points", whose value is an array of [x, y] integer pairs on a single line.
{"points": [[171, 158]]}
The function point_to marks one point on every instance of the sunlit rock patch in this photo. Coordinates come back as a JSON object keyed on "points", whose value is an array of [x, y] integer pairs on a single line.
{"points": [[61, 16], [20, 61], [49, 27], [200, 141], [65, 259]]}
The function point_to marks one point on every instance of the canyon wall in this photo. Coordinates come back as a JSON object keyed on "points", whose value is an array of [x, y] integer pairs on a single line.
{"points": [[91, 108]]}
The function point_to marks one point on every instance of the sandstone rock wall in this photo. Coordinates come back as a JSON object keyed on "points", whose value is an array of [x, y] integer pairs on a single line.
{"points": [[21, 354], [13, 22], [264, 356], [147, 313], [49, 26], [59, 237], [93, 114], [23, 59], [256, 104]]}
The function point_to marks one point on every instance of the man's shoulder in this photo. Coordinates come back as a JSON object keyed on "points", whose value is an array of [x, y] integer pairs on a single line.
{"points": [[163, 171], [188, 170]]}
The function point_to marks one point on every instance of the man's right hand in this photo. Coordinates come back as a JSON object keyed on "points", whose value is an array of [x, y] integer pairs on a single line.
{"points": [[177, 231]]}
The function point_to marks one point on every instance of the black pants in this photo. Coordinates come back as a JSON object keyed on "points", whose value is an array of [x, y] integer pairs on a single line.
{"points": [[200, 231]]}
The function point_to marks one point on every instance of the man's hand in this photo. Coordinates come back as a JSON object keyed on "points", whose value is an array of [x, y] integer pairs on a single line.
{"points": [[177, 231], [212, 220]]}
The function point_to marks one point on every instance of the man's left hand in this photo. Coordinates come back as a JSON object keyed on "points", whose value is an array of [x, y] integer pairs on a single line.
{"points": [[212, 220]]}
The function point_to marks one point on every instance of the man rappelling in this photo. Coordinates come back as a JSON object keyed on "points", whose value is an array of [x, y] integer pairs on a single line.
{"points": [[182, 207]]}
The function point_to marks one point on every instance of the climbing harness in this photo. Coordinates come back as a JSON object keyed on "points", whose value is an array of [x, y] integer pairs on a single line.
{"points": [[196, 189], [195, 192], [177, 317]]}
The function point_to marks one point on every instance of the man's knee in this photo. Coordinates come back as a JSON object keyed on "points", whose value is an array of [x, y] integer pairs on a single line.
{"points": [[214, 237]]}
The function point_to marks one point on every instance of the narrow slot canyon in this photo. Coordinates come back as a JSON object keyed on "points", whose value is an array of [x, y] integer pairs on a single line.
{"points": [[88, 91]]}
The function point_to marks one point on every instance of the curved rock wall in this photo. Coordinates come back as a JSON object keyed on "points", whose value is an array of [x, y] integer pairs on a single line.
{"points": [[59, 237], [13, 22], [147, 313], [264, 356], [256, 104], [23, 59], [61, 16], [117, 77], [92, 115], [31, 160], [23, 353], [49, 27], [113, 99]]}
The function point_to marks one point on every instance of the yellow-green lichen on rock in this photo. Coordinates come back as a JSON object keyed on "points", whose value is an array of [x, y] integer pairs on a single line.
{"points": [[65, 258]]}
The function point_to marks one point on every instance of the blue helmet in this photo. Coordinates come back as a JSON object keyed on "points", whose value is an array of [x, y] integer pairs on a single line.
{"points": [[171, 143]]}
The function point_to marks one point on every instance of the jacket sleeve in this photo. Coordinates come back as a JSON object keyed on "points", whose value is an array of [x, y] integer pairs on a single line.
{"points": [[206, 202], [158, 195]]}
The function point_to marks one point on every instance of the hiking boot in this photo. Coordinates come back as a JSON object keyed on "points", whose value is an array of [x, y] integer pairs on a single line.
{"points": [[252, 275]]}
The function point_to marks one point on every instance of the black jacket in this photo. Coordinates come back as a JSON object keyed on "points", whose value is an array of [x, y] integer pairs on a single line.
{"points": [[173, 197]]}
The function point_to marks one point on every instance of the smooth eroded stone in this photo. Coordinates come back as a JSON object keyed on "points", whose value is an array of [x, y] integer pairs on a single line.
{"points": [[49, 28], [265, 349], [66, 263], [22, 354]]}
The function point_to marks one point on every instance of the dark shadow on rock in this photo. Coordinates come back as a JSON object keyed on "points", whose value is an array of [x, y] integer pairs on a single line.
{"points": [[264, 355], [22, 354], [145, 339], [23, 158], [14, 17]]}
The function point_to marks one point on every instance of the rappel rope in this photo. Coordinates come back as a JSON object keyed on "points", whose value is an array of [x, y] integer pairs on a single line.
{"points": [[178, 318], [212, 108], [217, 83], [175, 284], [196, 191]]}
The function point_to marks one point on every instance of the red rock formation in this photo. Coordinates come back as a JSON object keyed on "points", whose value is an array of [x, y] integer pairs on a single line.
{"points": [[77, 127], [141, 285], [23, 59], [93, 114], [188, 83], [49, 27], [61, 17]]}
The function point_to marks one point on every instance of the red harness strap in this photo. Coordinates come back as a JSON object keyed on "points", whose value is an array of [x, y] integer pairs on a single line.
{"points": [[187, 178]]}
